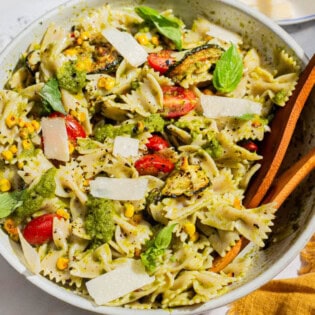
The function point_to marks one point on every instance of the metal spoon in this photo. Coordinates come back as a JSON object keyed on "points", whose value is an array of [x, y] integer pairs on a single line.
{"points": [[273, 150]]}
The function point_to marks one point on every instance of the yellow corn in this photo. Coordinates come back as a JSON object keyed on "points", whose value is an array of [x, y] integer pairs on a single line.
{"points": [[71, 147], [85, 35], [5, 185], [194, 237], [237, 203], [189, 228], [106, 83], [7, 155], [129, 210], [63, 213], [136, 219], [27, 144], [86, 183], [23, 133], [30, 128], [142, 39], [21, 123], [81, 117], [62, 263], [20, 165], [155, 40], [13, 148], [84, 64], [11, 121], [35, 124], [184, 163], [79, 41], [70, 52], [10, 227]]}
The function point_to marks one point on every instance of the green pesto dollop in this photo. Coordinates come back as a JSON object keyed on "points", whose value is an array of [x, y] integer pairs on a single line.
{"points": [[213, 146], [154, 123], [99, 221], [109, 131], [280, 97], [70, 77], [33, 198]]}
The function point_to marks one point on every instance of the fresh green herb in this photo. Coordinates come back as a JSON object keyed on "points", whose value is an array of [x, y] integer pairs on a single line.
{"points": [[156, 248], [52, 97], [168, 27], [228, 71], [9, 202]]}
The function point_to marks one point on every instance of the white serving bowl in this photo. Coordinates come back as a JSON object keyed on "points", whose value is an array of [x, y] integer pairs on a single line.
{"points": [[295, 220]]}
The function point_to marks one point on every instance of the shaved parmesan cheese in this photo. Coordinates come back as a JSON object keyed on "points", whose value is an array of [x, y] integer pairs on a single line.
{"points": [[127, 46], [119, 188], [218, 106], [223, 34], [31, 256], [114, 284], [55, 139], [125, 146]]}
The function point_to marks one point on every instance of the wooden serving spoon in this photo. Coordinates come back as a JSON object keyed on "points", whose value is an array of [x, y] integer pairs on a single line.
{"points": [[273, 150]]}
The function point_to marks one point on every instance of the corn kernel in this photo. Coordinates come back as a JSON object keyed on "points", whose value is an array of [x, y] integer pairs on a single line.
{"points": [[194, 237], [86, 183], [71, 52], [35, 124], [106, 83], [13, 148], [85, 35], [142, 39], [20, 165], [62, 263], [189, 228], [71, 147], [30, 128], [79, 41], [27, 144], [84, 64], [5, 185], [24, 133], [21, 123], [10, 227], [7, 155], [237, 203], [155, 40], [185, 163], [63, 213], [129, 210], [11, 121], [81, 117]]}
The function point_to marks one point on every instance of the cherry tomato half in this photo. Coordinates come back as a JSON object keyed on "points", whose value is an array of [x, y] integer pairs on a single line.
{"points": [[161, 60], [73, 127], [153, 164], [157, 143], [40, 230], [249, 145], [177, 101]]}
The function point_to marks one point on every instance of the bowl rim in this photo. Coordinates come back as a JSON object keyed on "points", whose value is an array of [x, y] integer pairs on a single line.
{"points": [[70, 297]]}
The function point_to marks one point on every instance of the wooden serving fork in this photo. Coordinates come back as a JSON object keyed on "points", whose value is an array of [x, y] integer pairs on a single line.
{"points": [[273, 150]]}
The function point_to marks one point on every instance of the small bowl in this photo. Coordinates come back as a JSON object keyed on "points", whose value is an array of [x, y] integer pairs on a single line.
{"points": [[295, 220]]}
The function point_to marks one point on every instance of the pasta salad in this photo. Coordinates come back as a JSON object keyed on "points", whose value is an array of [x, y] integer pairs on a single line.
{"points": [[127, 143]]}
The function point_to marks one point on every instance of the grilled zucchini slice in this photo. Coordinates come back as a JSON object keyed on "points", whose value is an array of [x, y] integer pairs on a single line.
{"points": [[195, 66], [188, 181]]}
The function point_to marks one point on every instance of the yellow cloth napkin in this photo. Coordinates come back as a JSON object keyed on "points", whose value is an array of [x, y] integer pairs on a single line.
{"points": [[284, 297]]}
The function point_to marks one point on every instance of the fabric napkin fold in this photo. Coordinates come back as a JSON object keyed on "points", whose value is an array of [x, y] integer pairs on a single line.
{"points": [[294, 296]]}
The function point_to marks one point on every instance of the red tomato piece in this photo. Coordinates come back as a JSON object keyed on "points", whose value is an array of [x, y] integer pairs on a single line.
{"points": [[157, 143], [249, 145], [153, 164], [161, 60], [40, 230], [73, 127], [177, 101]]}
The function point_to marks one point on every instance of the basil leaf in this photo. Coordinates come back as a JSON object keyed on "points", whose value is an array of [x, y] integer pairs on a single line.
{"points": [[164, 237], [170, 28], [156, 248], [228, 71], [9, 202], [52, 97]]}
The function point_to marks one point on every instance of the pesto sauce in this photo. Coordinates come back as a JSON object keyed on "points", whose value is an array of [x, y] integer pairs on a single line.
{"points": [[33, 198], [70, 77], [99, 221]]}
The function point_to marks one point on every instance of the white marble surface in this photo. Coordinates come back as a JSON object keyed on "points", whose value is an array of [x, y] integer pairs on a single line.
{"points": [[17, 295]]}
